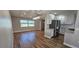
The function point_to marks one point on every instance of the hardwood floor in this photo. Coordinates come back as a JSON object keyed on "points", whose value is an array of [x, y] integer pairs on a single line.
{"points": [[36, 39]]}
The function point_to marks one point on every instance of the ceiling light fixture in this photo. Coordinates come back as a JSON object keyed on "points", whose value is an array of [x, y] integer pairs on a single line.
{"points": [[35, 18], [55, 13]]}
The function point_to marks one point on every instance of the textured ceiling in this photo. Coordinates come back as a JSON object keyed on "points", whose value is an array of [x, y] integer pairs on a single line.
{"points": [[41, 13]]}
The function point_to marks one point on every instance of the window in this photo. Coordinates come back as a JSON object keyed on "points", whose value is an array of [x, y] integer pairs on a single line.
{"points": [[27, 23], [31, 22]]}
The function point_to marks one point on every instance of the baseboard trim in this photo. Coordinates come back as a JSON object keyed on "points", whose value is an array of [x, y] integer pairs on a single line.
{"points": [[19, 31], [70, 45], [47, 36], [24, 31]]}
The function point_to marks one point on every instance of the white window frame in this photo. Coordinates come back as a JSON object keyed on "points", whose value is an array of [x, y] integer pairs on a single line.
{"points": [[27, 23]]}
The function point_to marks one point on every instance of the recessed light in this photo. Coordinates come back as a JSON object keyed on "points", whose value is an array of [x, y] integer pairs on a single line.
{"points": [[38, 17], [55, 13]]}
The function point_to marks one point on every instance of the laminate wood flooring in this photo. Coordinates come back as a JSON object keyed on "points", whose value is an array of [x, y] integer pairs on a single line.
{"points": [[36, 39]]}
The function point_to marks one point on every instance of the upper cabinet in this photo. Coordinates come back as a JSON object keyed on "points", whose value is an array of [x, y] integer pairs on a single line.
{"points": [[77, 20], [66, 19], [61, 18], [69, 19]]}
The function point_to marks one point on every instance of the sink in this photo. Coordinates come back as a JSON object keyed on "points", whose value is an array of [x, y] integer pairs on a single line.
{"points": [[71, 29]]}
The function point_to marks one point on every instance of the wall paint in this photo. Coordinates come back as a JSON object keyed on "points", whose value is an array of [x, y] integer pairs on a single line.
{"points": [[17, 28], [6, 37]]}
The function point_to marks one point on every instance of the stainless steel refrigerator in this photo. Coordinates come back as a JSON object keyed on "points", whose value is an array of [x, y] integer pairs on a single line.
{"points": [[55, 24]]}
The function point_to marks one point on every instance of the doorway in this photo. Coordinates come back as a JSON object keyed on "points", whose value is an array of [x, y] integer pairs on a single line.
{"points": [[42, 25]]}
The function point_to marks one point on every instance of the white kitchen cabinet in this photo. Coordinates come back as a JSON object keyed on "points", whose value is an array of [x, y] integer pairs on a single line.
{"points": [[62, 29], [48, 20], [66, 19], [49, 33], [69, 39], [77, 21], [72, 39], [69, 19]]}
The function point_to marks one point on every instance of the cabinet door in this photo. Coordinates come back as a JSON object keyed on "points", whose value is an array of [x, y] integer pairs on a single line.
{"points": [[68, 38], [69, 19], [77, 21], [71, 39], [61, 18]]}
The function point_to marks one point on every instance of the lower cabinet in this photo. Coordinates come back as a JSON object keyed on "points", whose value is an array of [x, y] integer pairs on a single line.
{"points": [[71, 40]]}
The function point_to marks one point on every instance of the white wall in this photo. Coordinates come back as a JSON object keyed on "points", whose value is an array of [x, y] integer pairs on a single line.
{"points": [[6, 37]]}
